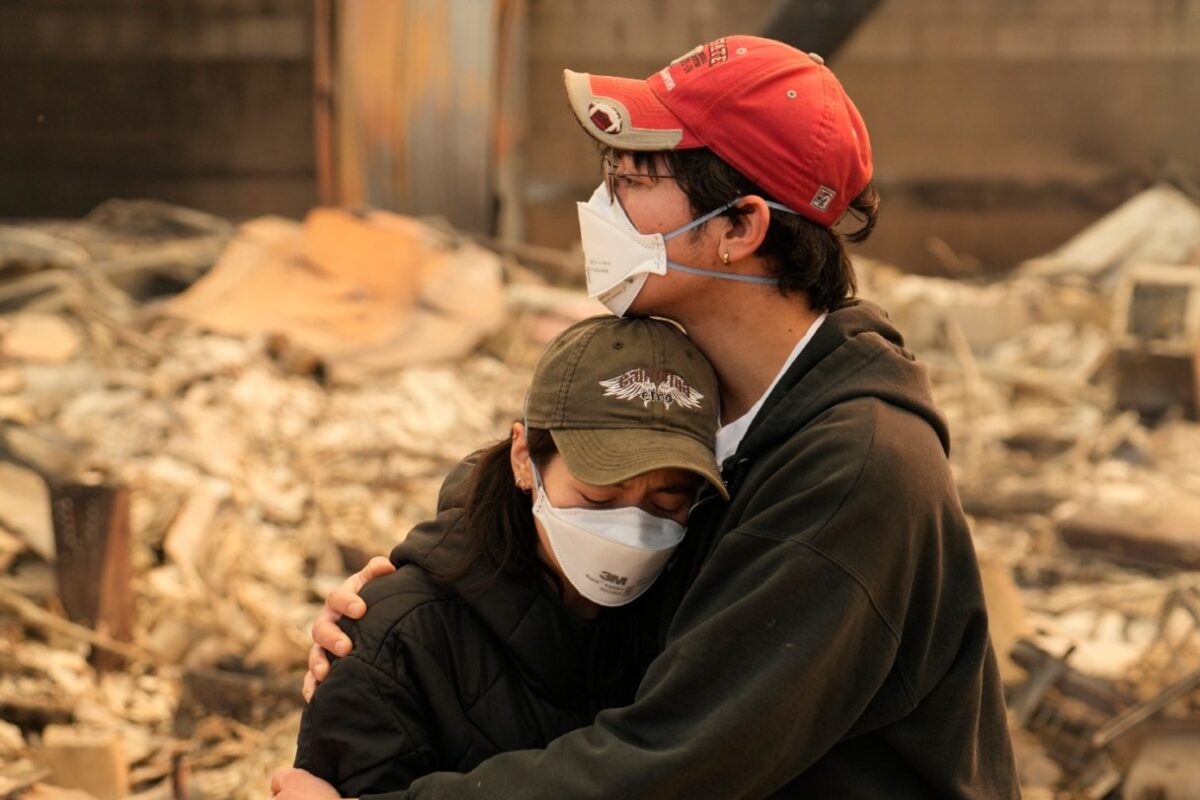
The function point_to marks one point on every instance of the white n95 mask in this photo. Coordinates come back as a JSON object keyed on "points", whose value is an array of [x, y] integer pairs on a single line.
{"points": [[610, 555], [618, 258]]}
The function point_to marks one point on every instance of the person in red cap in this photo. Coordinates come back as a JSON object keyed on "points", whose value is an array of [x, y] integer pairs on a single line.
{"points": [[823, 632]]}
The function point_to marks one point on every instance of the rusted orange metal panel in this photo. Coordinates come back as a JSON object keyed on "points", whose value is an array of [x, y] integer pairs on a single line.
{"points": [[323, 28], [416, 88]]}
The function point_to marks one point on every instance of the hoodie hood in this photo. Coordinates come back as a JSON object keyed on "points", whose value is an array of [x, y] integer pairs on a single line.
{"points": [[856, 353], [534, 626]]}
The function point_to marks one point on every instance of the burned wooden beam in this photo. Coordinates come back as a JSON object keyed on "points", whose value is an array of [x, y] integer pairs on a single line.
{"points": [[185, 256], [817, 27], [1094, 692], [92, 538], [33, 714], [1133, 716], [1167, 539], [249, 698]]}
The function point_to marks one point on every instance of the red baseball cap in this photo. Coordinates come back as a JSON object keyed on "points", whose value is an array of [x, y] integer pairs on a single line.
{"points": [[773, 113]]}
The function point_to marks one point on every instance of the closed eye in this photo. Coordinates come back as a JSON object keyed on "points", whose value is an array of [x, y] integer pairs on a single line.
{"points": [[596, 502]]}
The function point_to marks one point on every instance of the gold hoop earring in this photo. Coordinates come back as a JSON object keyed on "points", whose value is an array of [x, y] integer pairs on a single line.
{"points": [[725, 259]]}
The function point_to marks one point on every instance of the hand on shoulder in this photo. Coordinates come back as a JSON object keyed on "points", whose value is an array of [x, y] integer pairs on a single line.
{"points": [[345, 600], [289, 783]]}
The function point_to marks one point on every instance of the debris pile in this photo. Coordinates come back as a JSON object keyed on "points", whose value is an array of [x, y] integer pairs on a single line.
{"points": [[281, 400], [218, 462], [1071, 388]]}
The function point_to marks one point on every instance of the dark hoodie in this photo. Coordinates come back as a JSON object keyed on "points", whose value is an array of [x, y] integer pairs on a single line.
{"points": [[825, 632], [443, 676]]}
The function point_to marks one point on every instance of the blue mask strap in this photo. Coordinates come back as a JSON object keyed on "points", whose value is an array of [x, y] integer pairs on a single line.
{"points": [[698, 221], [761, 280]]}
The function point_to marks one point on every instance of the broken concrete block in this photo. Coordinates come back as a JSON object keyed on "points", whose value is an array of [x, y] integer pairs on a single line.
{"points": [[277, 653], [281, 498], [11, 380], [25, 508], [184, 541], [1166, 766], [1156, 326], [41, 338], [1154, 384], [91, 760], [18, 409], [986, 315]]}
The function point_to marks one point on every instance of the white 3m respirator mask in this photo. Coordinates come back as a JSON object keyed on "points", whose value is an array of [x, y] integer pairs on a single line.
{"points": [[610, 555], [618, 259]]}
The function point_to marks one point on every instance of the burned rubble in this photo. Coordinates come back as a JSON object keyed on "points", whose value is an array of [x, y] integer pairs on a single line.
{"points": [[190, 460]]}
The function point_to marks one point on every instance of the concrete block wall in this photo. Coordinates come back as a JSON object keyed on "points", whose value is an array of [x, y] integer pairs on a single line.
{"points": [[999, 126], [197, 102], [1002, 126]]}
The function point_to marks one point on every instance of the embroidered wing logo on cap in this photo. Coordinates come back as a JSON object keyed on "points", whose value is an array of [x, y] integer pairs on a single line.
{"points": [[653, 386], [605, 117]]}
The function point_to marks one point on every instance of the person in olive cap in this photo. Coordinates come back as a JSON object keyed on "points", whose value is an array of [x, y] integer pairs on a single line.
{"points": [[823, 632], [508, 624]]}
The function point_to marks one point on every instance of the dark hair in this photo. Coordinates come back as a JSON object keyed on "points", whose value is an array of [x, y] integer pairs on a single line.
{"points": [[498, 519], [500, 533], [805, 256]]}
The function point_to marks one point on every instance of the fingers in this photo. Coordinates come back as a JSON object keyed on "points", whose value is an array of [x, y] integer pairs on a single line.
{"points": [[318, 670], [277, 780], [377, 567], [328, 635], [344, 600], [318, 662], [289, 783]]}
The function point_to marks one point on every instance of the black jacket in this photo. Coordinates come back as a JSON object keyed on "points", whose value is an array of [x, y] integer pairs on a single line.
{"points": [[443, 676], [825, 631]]}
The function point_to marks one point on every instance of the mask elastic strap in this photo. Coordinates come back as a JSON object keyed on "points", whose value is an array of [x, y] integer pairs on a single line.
{"points": [[698, 221], [761, 280]]}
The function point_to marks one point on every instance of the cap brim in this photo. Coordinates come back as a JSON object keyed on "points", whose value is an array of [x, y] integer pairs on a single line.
{"points": [[606, 456], [624, 113]]}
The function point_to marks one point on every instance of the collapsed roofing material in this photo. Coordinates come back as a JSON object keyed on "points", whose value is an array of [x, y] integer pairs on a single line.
{"points": [[362, 292], [1160, 224]]}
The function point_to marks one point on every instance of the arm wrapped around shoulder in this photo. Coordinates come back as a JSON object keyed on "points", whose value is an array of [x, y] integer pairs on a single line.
{"points": [[364, 731]]}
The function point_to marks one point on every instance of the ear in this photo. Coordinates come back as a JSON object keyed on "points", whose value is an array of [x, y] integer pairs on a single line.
{"points": [[521, 466], [745, 233]]}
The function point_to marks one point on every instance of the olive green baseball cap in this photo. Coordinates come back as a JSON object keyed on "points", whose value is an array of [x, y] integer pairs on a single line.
{"points": [[623, 396]]}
